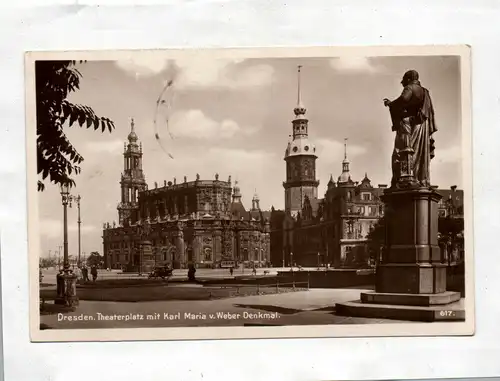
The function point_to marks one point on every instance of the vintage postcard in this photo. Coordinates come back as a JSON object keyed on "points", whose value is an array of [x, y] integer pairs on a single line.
{"points": [[250, 193]]}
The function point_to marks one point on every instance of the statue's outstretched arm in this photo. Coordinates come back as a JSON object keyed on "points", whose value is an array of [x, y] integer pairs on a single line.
{"points": [[403, 99]]}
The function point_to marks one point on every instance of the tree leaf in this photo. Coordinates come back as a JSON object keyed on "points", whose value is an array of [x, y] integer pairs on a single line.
{"points": [[54, 81]]}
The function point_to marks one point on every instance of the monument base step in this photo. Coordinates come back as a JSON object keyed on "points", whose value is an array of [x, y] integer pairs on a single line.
{"points": [[451, 312], [423, 300]]}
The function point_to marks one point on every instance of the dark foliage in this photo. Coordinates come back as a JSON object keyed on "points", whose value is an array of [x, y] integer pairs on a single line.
{"points": [[45, 263], [448, 228], [57, 159], [376, 238], [95, 259]]}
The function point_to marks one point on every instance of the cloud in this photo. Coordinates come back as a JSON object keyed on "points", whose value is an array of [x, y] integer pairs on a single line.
{"points": [[222, 73], [143, 64], [112, 146], [222, 160], [354, 64], [51, 228], [196, 72], [449, 155], [253, 168], [195, 124], [240, 158], [332, 151]]}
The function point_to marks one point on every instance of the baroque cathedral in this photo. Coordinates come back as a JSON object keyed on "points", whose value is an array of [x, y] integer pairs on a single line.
{"points": [[200, 222]]}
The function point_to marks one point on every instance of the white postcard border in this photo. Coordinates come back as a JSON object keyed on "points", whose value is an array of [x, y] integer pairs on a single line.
{"points": [[302, 331]]}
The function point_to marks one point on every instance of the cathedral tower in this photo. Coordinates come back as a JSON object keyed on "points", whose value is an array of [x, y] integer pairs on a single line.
{"points": [[345, 177], [300, 158], [132, 179]]}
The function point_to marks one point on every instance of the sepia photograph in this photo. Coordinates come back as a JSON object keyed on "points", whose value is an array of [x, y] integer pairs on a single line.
{"points": [[249, 193]]}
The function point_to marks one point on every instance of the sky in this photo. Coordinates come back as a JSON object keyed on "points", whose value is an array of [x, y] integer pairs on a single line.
{"points": [[233, 117]]}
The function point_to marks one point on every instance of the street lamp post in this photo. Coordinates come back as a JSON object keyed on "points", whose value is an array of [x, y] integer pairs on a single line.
{"points": [[66, 279], [327, 259], [59, 257], [77, 200]]}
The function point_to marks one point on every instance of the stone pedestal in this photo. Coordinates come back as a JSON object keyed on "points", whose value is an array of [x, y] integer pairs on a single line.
{"points": [[66, 289], [411, 278]]}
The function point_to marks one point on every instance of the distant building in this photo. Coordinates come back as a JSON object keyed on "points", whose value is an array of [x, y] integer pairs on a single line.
{"points": [[202, 222]]}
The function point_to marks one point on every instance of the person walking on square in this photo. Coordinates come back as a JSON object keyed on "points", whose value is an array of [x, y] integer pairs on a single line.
{"points": [[231, 271], [78, 273], [85, 274], [93, 271]]}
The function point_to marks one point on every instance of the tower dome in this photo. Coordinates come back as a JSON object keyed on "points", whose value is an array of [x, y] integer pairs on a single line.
{"points": [[132, 136]]}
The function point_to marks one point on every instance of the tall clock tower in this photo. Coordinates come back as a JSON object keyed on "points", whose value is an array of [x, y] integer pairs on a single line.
{"points": [[132, 178], [300, 158]]}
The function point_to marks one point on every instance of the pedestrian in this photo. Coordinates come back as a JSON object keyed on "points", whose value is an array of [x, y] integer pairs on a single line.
{"points": [[78, 273], [93, 271], [85, 274], [231, 271], [191, 272]]}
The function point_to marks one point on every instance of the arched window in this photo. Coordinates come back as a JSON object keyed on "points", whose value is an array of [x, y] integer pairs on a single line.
{"points": [[208, 254]]}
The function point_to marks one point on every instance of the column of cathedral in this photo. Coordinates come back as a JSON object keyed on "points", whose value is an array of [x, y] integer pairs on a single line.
{"points": [[197, 246], [217, 244], [179, 246]]}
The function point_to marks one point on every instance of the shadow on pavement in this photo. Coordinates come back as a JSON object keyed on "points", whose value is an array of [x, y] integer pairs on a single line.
{"points": [[52, 309], [325, 309], [281, 310]]}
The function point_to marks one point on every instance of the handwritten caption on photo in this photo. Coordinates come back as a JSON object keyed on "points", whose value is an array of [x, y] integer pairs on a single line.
{"points": [[171, 316]]}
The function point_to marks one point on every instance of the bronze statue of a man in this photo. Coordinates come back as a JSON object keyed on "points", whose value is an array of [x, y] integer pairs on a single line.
{"points": [[412, 117]]}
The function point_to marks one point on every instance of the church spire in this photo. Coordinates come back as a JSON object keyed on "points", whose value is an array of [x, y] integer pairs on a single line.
{"points": [[255, 201], [299, 102], [299, 110], [345, 176]]}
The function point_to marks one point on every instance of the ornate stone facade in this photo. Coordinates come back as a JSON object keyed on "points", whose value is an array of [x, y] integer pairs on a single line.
{"points": [[201, 222], [335, 230]]}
